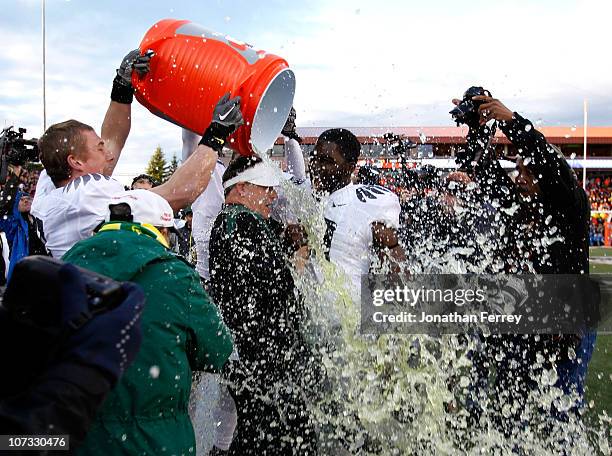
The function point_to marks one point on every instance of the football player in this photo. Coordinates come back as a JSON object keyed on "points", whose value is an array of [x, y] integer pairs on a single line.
{"points": [[361, 219]]}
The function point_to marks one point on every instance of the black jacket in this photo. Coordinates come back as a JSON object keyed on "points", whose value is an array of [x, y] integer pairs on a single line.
{"points": [[560, 213], [548, 235], [252, 284], [40, 398]]}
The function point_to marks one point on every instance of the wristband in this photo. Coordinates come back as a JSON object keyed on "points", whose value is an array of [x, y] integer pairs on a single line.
{"points": [[215, 136], [122, 93]]}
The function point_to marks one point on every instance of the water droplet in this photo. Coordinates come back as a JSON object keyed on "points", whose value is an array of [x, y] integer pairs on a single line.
{"points": [[154, 371]]}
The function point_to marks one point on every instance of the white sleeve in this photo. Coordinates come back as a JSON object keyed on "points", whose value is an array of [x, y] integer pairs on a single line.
{"points": [[190, 143], [295, 159], [95, 197], [43, 187], [386, 210]]}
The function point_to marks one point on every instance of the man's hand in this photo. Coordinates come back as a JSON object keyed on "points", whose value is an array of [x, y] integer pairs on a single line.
{"points": [[133, 61], [226, 118], [492, 108], [123, 92], [386, 243], [289, 128], [295, 237], [16, 170], [227, 113]]}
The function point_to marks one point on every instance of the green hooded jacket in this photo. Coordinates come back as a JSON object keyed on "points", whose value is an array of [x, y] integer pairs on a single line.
{"points": [[182, 331]]}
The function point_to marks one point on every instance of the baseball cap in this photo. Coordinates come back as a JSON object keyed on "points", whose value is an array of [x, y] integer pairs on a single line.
{"points": [[259, 174], [147, 207]]}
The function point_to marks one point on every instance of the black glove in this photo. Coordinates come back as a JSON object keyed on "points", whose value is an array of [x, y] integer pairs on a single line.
{"points": [[289, 128], [123, 92], [109, 341], [225, 120]]}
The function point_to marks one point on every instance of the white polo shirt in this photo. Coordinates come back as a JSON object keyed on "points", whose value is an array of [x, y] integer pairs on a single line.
{"points": [[71, 213]]}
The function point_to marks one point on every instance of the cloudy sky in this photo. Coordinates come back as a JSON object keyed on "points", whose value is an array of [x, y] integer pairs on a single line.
{"points": [[357, 63]]}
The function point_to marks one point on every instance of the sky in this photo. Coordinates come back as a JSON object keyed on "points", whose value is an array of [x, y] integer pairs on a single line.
{"points": [[357, 63]]}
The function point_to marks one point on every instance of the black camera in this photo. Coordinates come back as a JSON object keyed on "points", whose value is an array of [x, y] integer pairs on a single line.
{"points": [[16, 150], [466, 112]]}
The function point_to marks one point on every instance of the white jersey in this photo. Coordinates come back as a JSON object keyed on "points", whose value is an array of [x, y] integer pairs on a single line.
{"points": [[349, 214], [205, 210], [71, 213]]}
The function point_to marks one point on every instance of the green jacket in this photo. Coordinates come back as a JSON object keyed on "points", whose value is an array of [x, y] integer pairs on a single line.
{"points": [[182, 331]]}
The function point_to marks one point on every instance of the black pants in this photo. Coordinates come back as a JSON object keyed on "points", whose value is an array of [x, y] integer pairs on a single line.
{"points": [[263, 431]]}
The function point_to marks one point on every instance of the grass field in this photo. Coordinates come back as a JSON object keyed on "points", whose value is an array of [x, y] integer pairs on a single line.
{"points": [[599, 379]]}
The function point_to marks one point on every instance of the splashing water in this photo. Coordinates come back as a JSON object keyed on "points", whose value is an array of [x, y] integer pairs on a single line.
{"points": [[395, 394]]}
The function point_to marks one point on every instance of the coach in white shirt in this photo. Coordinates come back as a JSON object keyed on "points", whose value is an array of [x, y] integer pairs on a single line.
{"points": [[74, 189]]}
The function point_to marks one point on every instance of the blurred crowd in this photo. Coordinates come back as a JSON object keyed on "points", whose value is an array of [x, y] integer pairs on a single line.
{"points": [[599, 190]]}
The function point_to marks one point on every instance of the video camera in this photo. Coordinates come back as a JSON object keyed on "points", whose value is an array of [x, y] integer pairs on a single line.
{"points": [[15, 150]]}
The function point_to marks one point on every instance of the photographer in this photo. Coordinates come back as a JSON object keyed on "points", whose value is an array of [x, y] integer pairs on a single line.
{"points": [[549, 229], [73, 192], [24, 232], [56, 385], [543, 180]]}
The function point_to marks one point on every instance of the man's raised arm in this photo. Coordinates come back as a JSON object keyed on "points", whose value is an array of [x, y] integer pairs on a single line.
{"points": [[192, 177], [118, 118]]}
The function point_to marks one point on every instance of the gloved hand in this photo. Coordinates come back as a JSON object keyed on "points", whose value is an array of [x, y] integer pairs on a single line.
{"points": [[289, 128], [294, 237], [226, 118], [109, 341], [123, 91]]}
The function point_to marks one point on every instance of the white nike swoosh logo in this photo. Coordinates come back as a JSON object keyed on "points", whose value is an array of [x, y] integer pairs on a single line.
{"points": [[223, 116]]}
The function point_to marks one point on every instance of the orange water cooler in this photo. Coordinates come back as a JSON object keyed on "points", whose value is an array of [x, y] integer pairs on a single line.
{"points": [[194, 67]]}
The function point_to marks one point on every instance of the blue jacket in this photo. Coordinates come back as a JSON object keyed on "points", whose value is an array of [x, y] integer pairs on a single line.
{"points": [[15, 227]]}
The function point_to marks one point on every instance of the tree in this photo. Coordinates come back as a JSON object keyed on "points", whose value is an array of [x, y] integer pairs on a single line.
{"points": [[157, 165], [169, 171]]}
